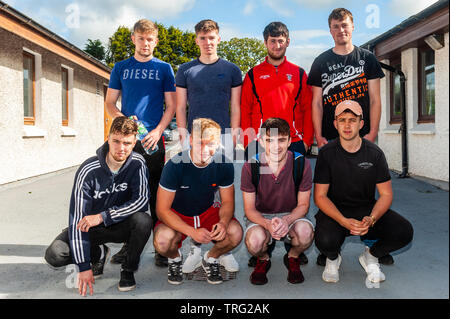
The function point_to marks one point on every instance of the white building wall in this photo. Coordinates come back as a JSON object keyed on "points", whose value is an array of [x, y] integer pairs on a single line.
{"points": [[428, 151], [47, 147]]}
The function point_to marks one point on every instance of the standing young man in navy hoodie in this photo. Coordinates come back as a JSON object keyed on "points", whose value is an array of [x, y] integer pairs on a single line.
{"points": [[146, 84], [109, 203]]}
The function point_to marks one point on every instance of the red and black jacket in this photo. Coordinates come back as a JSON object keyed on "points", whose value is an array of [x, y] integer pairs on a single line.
{"points": [[270, 91]]}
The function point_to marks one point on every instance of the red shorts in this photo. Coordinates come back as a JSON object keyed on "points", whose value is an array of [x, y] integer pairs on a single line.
{"points": [[206, 220]]}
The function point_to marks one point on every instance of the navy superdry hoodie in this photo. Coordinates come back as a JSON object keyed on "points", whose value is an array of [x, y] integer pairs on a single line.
{"points": [[97, 190]]}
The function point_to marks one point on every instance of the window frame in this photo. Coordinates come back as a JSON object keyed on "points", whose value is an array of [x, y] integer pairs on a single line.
{"points": [[65, 122], [423, 118], [394, 61], [31, 120]]}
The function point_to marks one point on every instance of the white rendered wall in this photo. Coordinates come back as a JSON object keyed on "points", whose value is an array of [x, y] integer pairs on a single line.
{"points": [[428, 151], [25, 156]]}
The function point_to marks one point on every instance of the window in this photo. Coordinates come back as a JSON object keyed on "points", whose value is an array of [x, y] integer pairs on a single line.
{"points": [[426, 85], [28, 89], [395, 92], [65, 96]]}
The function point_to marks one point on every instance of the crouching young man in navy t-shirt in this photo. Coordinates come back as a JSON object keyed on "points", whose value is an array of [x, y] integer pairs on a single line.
{"points": [[185, 204]]}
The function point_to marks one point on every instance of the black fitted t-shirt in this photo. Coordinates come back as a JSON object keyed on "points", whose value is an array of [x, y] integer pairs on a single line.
{"points": [[344, 77], [352, 176]]}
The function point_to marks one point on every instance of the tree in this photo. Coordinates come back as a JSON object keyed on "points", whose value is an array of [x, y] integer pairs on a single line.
{"points": [[245, 52], [120, 46], [95, 48], [175, 46]]}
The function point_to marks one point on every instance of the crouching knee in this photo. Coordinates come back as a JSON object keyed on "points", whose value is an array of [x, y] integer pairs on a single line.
{"points": [[303, 232], [57, 254]]}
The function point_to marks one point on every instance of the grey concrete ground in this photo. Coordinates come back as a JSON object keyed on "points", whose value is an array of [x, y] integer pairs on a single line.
{"points": [[33, 214]]}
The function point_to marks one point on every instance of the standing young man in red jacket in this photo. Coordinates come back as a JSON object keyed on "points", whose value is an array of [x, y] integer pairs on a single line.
{"points": [[276, 88]]}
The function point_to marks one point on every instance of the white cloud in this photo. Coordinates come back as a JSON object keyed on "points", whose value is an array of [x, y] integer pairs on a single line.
{"points": [[279, 7], [307, 35], [321, 3], [407, 8], [249, 8], [229, 30], [100, 19], [304, 55]]}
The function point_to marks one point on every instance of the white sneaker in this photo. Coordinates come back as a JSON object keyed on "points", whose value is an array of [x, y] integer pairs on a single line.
{"points": [[331, 272], [229, 262], [193, 260], [371, 266]]}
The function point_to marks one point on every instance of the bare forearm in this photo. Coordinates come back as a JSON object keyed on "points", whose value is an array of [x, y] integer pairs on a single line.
{"points": [[382, 205], [167, 117], [375, 116], [256, 217], [181, 116], [112, 110], [298, 212], [328, 208], [226, 212]]}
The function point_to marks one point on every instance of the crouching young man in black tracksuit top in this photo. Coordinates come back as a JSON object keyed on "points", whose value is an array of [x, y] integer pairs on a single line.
{"points": [[109, 203]]}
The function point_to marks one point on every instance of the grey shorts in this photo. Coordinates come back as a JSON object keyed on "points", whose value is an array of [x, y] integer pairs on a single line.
{"points": [[287, 239]]}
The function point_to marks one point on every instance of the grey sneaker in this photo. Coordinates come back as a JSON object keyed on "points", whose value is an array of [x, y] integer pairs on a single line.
{"points": [[212, 269], [174, 273]]}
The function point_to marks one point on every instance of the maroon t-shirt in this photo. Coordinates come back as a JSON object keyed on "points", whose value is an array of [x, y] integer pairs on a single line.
{"points": [[276, 194]]}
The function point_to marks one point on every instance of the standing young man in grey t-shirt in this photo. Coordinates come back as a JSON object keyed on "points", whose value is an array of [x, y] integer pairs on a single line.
{"points": [[211, 86]]}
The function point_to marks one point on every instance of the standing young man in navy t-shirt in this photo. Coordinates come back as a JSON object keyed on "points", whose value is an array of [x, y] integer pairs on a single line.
{"points": [[211, 86], [185, 204], [145, 84]]}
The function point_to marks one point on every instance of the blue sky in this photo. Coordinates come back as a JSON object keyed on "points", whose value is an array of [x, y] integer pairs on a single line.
{"points": [[79, 20]]}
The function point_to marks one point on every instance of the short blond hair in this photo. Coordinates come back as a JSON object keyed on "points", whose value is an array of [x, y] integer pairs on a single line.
{"points": [[145, 26], [206, 129]]}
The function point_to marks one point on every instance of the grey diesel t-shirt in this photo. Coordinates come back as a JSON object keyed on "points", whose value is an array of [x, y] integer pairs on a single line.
{"points": [[209, 89]]}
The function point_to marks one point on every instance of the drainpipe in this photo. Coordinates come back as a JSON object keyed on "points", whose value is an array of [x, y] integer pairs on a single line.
{"points": [[403, 126]]}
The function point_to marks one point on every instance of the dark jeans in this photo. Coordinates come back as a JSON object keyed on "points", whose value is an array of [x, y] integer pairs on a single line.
{"points": [[155, 165], [392, 231], [135, 230], [254, 148]]}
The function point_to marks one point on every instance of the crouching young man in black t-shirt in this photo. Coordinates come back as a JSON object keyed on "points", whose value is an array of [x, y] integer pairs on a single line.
{"points": [[348, 170]]}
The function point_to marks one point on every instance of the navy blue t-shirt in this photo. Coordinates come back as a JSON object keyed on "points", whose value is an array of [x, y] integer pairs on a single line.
{"points": [[209, 89], [143, 85], [195, 186]]}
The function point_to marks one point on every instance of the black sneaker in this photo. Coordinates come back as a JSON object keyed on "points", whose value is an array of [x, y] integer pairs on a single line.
{"points": [[121, 256], [174, 272], [97, 268], [212, 270], [386, 260], [160, 260], [127, 281], [321, 260]]}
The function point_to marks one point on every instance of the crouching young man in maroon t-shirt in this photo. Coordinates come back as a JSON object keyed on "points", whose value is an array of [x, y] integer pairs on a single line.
{"points": [[273, 209]]}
